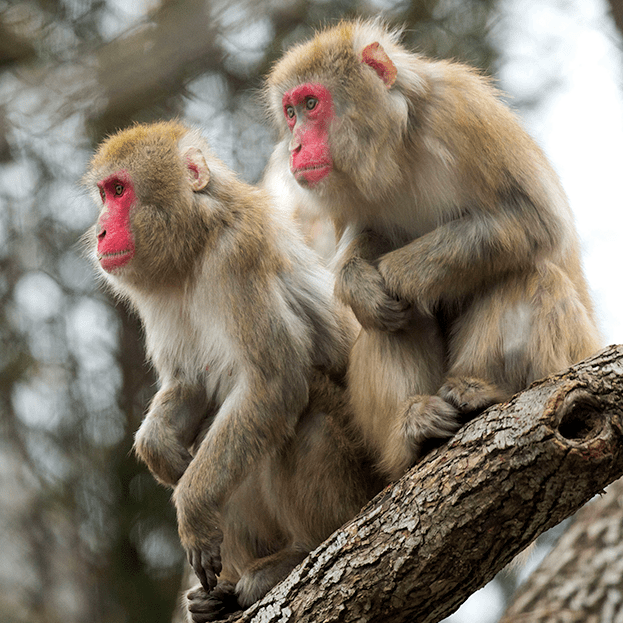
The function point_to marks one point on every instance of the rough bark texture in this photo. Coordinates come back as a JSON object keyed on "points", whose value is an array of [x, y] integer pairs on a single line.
{"points": [[426, 543], [581, 579]]}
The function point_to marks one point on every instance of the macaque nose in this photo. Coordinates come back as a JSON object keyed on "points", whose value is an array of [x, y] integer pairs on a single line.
{"points": [[99, 232], [295, 144]]}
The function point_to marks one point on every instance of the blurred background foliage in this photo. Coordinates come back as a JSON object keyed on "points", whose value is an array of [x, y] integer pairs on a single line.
{"points": [[85, 533]]}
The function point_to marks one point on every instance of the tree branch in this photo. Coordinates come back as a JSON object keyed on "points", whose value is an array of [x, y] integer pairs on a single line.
{"points": [[581, 579], [426, 543]]}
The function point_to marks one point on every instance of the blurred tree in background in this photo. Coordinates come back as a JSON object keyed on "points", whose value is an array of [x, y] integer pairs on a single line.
{"points": [[86, 535]]}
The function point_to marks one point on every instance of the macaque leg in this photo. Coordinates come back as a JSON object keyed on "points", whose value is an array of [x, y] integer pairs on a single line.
{"points": [[393, 379], [520, 331], [265, 572], [169, 429]]}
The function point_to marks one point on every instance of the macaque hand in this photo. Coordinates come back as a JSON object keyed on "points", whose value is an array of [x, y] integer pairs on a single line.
{"points": [[200, 535], [361, 286], [402, 282], [204, 556]]}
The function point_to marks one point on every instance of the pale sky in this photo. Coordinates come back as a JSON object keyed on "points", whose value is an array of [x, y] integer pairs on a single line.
{"points": [[566, 56]]}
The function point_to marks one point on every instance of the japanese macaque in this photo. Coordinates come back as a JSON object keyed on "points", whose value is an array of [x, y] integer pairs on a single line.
{"points": [[457, 251], [250, 425]]}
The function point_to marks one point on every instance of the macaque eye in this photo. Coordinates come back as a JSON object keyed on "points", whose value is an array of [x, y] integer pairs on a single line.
{"points": [[290, 112], [119, 190], [102, 194], [310, 103]]}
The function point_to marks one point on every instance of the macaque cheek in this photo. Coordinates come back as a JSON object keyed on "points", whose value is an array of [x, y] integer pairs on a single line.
{"points": [[115, 242], [312, 162]]}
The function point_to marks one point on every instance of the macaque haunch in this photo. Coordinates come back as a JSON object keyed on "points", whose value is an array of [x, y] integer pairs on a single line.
{"points": [[249, 426], [457, 252]]}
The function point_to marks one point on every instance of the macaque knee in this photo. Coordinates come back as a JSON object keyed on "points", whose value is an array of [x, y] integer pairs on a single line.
{"points": [[157, 445], [262, 575]]}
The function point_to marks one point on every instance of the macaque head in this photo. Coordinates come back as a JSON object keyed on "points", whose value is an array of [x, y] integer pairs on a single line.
{"points": [[334, 100], [144, 179]]}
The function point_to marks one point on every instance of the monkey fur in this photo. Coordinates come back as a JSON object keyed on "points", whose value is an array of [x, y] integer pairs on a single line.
{"points": [[457, 248], [250, 425]]}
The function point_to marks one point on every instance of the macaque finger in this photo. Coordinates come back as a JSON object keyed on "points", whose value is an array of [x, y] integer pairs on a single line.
{"points": [[391, 314]]}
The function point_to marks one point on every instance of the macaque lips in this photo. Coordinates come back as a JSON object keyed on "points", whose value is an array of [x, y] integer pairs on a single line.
{"points": [[113, 261], [312, 174]]}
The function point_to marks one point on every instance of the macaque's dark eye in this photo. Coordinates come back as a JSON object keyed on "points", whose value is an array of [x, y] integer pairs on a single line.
{"points": [[290, 112], [310, 103], [102, 194], [118, 190]]}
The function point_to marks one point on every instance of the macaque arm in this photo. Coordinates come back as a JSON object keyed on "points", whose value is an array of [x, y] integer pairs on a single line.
{"points": [[360, 285], [464, 255], [169, 429], [247, 428], [255, 420]]}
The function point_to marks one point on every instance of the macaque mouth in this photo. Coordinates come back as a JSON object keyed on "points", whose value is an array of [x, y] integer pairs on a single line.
{"points": [[313, 173], [313, 167], [115, 259]]}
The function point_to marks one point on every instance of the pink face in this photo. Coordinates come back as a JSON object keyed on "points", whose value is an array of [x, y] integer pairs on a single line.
{"points": [[308, 109], [115, 242]]}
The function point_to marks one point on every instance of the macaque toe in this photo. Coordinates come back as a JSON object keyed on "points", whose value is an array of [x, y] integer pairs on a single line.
{"points": [[214, 605], [471, 395]]}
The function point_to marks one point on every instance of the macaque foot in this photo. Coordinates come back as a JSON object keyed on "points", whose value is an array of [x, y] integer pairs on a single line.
{"points": [[427, 418], [471, 395], [420, 425], [212, 605]]}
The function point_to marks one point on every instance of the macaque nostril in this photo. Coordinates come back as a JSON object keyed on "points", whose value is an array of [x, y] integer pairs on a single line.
{"points": [[100, 233]]}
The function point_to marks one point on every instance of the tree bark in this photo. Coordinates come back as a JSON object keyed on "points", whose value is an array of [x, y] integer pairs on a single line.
{"points": [[581, 579], [429, 541]]}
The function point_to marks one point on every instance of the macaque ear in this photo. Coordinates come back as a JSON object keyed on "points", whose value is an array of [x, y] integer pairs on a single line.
{"points": [[375, 56], [196, 168]]}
